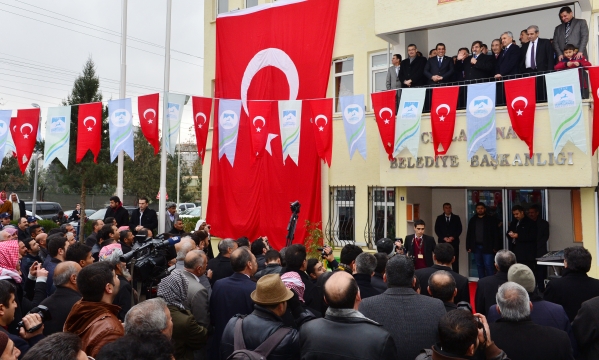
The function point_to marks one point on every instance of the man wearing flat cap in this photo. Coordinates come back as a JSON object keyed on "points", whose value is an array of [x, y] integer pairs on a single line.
{"points": [[271, 300]]}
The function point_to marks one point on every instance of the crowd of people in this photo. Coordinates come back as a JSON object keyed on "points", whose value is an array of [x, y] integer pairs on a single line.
{"points": [[566, 50]]}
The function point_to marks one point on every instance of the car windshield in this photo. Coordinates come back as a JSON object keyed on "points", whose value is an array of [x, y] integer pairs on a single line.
{"points": [[195, 212]]}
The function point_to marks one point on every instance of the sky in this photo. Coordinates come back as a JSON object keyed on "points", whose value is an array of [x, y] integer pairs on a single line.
{"points": [[46, 44]]}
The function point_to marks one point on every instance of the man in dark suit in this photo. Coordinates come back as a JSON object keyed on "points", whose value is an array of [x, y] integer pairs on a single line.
{"points": [[66, 295], [439, 69], [420, 247], [231, 296], [143, 217], [486, 288], [537, 54], [508, 61], [411, 71], [412, 319], [522, 238], [570, 31], [221, 265], [542, 237], [443, 257], [483, 239], [363, 271], [519, 336], [586, 329], [476, 66], [575, 286], [448, 228]]}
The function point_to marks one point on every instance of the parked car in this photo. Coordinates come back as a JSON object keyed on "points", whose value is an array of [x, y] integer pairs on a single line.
{"points": [[193, 212], [29, 213], [46, 210], [99, 214], [186, 206], [88, 213]]}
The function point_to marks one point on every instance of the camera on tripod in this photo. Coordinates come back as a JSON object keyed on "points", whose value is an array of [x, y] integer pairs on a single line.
{"points": [[150, 259]]}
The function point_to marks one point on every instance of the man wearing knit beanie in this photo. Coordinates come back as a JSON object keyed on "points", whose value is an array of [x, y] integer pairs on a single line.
{"points": [[8, 350]]}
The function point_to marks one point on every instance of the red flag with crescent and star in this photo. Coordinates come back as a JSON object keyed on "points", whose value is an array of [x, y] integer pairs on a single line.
{"points": [[594, 77], [286, 54], [322, 123], [521, 101], [89, 130], [260, 115], [443, 111], [202, 107], [147, 107], [383, 104], [23, 130]]}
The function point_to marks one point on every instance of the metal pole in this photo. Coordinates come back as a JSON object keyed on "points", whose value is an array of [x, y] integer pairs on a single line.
{"points": [[34, 201], [122, 94], [167, 67], [179, 169]]}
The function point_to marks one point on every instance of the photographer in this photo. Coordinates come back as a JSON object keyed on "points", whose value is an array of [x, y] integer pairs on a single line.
{"points": [[8, 305]]}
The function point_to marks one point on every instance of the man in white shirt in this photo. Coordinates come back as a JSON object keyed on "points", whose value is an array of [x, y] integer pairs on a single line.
{"points": [[537, 54]]}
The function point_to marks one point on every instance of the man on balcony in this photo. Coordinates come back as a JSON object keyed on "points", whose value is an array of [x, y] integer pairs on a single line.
{"points": [[508, 60], [537, 54]]}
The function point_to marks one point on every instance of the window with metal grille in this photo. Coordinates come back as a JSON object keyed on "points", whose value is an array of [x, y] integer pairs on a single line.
{"points": [[340, 228], [381, 215]]}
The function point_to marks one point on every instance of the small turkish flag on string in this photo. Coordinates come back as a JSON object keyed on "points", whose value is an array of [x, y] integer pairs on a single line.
{"points": [[384, 112], [202, 107], [147, 107], [594, 77], [260, 115], [521, 101], [322, 117], [443, 111], [23, 130], [89, 130]]}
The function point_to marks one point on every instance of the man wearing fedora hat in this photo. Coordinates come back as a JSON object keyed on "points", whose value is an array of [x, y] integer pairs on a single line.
{"points": [[271, 300]]}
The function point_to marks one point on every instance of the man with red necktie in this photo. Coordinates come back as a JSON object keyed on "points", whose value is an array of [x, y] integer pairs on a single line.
{"points": [[420, 247]]}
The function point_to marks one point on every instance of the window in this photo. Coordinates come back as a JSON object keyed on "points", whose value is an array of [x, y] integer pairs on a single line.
{"points": [[222, 6], [384, 213], [250, 3], [341, 227], [344, 79], [379, 63]]}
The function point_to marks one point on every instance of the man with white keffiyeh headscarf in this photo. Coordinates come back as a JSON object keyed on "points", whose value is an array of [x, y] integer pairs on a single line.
{"points": [[18, 207], [188, 335]]}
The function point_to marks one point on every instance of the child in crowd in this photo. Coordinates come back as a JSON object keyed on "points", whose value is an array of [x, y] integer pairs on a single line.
{"points": [[569, 61]]}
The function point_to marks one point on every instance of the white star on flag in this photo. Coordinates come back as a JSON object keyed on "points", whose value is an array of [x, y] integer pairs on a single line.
{"points": [[386, 121], [519, 112], [442, 118], [200, 126], [150, 121], [321, 128], [89, 129], [258, 129], [25, 136]]}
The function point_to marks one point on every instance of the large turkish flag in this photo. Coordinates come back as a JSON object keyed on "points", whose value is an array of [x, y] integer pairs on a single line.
{"points": [[594, 76], [285, 54], [23, 129], [147, 108], [89, 130], [521, 101], [443, 111]]}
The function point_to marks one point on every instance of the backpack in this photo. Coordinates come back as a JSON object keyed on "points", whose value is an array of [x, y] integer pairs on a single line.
{"points": [[261, 352]]}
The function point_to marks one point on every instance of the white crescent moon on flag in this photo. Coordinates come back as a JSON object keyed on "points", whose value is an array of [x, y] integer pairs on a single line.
{"points": [[520, 98], [326, 121], [89, 118], [259, 118], [385, 109], [26, 125], [270, 57], [145, 112], [443, 106], [201, 114]]}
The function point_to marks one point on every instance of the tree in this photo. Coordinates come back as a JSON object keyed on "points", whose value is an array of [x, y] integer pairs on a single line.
{"points": [[11, 177], [86, 174]]}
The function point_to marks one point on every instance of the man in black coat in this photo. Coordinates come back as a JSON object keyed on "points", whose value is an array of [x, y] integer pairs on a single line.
{"points": [[439, 69], [221, 265], [518, 336], [363, 271], [443, 258], [483, 239], [118, 212], [508, 62], [295, 258], [320, 338], [66, 295], [476, 66], [448, 228], [377, 280], [143, 217], [537, 54], [522, 238], [586, 329], [542, 225], [420, 247], [411, 70], [575, 286], [486, 288]]}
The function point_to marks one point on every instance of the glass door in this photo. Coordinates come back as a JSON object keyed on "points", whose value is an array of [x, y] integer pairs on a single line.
{"points": [[525, 198], [384, 211], [493, 200]]}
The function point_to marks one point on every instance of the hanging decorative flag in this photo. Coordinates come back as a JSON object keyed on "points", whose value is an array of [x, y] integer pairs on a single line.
{"points": [[120, 128], [407, 127], [290, 114], [147, 107], [228, 128], [202, 107], [594, 77], [352, 111], [565, 110], [23, 129], [384, 113], [58, 134], [322, 117], [260, 115], [4, 132], [176, 102], [521, 100], [480, 119], [443, 112], [89, 130]]}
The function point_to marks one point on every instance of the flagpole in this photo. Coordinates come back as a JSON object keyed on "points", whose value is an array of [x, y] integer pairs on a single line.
{"points": [[167, 68], [122, 94]]}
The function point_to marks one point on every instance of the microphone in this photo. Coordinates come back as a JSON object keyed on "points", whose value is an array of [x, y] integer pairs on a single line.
{"points": [[170, 242]]}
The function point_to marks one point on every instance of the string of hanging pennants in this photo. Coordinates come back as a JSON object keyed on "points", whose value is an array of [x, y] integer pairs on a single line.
{"points": [[398, 131]]}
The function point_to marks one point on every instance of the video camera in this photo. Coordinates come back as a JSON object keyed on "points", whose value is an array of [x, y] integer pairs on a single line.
{"points": [[149, 259], [43, 312]]}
